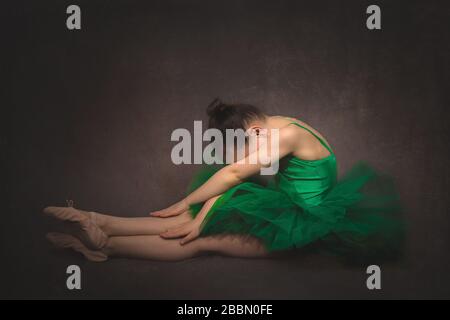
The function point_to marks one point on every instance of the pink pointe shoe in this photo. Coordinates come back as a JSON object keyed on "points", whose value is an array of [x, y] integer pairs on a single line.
{"points": [[65, 241], [91, 234]]}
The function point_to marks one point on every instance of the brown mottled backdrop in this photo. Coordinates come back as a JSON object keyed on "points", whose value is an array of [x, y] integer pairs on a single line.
{"points": [[87, 115]]}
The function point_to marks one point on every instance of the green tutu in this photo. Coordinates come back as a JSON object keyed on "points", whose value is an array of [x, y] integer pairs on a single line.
{"points": [[304, 206]]}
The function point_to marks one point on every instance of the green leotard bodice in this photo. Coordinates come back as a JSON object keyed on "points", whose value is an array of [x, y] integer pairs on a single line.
{"points": [[307, 181]]}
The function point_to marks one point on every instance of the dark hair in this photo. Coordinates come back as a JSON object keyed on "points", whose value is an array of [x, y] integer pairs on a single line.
{"points": [[232, 116]]}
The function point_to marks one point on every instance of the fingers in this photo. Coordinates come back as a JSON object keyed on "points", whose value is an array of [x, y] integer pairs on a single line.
{"points": [[191, 236], [162, 214], [174, 210], [165, 214]]}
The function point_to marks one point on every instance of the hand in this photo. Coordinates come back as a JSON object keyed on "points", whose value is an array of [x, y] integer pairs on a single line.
{"points": [[174, 210], [189, 230]]}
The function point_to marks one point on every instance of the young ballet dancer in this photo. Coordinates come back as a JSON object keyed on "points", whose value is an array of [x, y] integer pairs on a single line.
{"points": [[302, 206]]}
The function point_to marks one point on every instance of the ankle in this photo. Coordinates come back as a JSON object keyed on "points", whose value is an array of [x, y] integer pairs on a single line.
{"points": [[108, 249], [99, 219]]}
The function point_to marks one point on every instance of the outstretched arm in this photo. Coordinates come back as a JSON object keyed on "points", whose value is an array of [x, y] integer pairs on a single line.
{"points": [[237, 172]]}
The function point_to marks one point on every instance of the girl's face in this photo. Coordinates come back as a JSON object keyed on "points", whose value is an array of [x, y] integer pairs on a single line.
{"points": [[255, 136]]}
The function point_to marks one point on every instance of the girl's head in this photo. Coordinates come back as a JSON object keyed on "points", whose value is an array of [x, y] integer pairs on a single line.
{"points": [[233, 116]]}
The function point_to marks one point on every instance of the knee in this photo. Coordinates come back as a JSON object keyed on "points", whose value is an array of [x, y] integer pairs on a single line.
{"points": [[201, 246]]}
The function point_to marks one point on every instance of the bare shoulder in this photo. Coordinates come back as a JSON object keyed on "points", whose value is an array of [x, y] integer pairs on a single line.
{"points": [[305, 133], [289, 134], [304, 139]]}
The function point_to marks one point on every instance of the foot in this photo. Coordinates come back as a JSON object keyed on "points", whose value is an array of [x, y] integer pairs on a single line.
{"points": [[91, 234], [65, 241]]}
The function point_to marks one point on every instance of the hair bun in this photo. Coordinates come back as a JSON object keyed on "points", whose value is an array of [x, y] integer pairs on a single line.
{"points": [[215, 108]]}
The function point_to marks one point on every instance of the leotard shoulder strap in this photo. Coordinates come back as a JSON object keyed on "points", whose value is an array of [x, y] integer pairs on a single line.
{"points": [[315, 135]]}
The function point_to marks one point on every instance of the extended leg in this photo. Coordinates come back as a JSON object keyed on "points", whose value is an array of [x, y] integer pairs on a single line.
{"points": [[116, 226], [157, 248], [150, 247]]}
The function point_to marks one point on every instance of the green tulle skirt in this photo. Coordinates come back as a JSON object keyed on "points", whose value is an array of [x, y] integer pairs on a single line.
{"points": [[358, 218]]}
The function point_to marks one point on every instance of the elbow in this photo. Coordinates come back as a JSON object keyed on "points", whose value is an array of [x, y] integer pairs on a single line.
{"points": [[234, 176]]}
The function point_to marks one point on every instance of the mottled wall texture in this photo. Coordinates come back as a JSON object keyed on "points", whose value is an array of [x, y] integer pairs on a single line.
{"points": [[87, 115]]}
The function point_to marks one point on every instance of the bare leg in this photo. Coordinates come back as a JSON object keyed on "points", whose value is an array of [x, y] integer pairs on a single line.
{"points": [[157, 248], [139, 238], [233, 246], [93, 222], [116, 226], [150, 247]]}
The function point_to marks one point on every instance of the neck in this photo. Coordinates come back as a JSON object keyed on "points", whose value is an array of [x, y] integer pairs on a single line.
{"points": [[270, 122]]}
